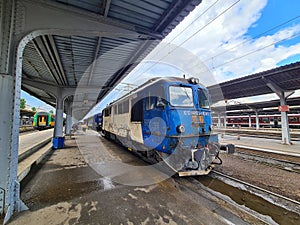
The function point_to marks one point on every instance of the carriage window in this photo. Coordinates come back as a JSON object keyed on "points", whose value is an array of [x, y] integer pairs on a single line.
{"points": [[203, 99], [181, 96], [120, 109], [126, 106]]}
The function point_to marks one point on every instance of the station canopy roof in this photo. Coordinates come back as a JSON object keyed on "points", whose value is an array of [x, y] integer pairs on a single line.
{"points": [[286, 78], [67, 61]]}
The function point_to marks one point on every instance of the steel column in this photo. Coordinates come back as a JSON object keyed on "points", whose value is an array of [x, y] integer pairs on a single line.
{"points": [[58, 128], [69, 119], [286, 137], [283, 95], [10, 89], [257, 120], [250, 125], [219, 120], [6, 156]]}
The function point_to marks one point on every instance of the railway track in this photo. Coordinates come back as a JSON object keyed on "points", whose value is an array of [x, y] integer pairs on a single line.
{"points": [[254, 204], [288, 163], [258, 134], [270, 196]]}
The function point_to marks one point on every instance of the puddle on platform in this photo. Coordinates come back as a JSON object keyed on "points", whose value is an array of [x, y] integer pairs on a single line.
{"points": [[256, 203]]}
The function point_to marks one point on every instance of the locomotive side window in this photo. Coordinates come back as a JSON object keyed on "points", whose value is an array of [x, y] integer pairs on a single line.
{"points": [[120, 108], [137, 110], [181, 96], [107, 112], [203, 99], [150, 101], [126, 106]]}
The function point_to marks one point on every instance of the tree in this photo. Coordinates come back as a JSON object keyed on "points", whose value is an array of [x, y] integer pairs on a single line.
{"points": [[22, 103], [33, 109]]}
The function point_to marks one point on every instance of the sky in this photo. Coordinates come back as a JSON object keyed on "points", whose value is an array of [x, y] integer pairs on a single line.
{"points": [[224, 40]]}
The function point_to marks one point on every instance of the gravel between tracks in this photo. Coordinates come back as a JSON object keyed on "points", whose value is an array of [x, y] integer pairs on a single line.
{"points": [[276, 180]]}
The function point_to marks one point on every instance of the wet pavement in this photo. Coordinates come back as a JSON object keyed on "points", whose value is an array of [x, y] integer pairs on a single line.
{"points": [[94, 181]]}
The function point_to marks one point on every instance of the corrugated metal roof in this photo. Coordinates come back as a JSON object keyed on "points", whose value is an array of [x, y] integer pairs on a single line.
{"points": [[286, 77], [67, 61]]}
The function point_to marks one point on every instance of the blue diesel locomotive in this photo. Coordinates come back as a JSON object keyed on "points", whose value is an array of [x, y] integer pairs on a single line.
{"points": [[169, 120]]}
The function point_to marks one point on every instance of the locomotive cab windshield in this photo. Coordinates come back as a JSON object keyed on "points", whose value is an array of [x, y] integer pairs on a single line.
{"points": [[181, 96], [204, 99]]}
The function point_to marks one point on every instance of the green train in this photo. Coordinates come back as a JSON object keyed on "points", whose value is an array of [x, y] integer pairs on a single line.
{"points": [[43, 120]]}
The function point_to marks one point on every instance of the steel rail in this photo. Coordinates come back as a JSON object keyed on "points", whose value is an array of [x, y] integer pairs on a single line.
{"points": [[256, 187], [282, 162]]}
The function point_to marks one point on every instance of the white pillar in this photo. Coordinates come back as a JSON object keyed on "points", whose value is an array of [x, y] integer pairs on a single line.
{"points": [[286, 138], [257, 120], [225, 121], [58, 128], [219, 120], [283, 95], [68, 119], [250, 120]]}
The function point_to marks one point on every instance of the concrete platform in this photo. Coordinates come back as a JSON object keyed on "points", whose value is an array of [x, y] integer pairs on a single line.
{"points": [[29, 141], [262, 144], [94, 181], [32, 149]]}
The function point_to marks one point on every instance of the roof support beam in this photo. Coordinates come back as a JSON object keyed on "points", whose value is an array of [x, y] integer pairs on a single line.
{"points": [[107, 5], [39, 48], [56, 18], [50, 52], [53, 46], [280, 92]]}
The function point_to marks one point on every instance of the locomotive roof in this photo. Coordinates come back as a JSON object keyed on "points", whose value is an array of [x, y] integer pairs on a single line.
{"points": [[43, 113], [152, 81]]}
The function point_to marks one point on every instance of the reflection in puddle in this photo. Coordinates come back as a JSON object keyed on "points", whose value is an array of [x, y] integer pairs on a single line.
{"points": [[107, 183]]}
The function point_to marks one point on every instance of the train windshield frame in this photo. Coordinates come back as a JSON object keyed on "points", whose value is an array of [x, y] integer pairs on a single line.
{"points": [[181, 96], [203, 99]]}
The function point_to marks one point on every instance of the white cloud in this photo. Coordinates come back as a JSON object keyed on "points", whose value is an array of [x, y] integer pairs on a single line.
{"points": [[223, 40], [214, 43]]}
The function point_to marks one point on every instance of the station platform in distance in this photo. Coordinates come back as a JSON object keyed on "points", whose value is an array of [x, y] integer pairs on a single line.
{"points": [[260, 143]]}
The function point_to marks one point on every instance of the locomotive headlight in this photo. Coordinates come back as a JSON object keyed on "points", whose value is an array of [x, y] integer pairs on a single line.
{"points": [[180, 128], [193, 80]]}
